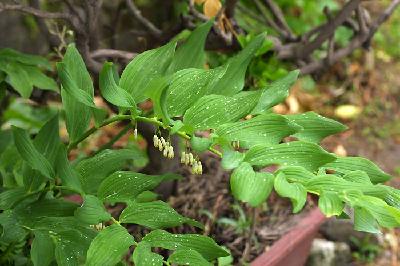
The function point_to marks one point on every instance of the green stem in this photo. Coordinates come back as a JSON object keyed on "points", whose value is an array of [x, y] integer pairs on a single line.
{"points": [[118, 118]]}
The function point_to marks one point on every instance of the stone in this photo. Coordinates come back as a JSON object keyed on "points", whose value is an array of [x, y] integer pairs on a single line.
{"points": [[328, 253]]}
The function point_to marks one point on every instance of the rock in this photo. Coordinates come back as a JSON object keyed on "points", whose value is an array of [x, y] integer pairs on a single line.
{"points": [[327, 253], [340, 230]]}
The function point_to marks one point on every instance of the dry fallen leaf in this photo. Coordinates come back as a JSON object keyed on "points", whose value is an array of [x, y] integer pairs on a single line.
{"points": [[211, 8], [340, 150], [199, 2]]}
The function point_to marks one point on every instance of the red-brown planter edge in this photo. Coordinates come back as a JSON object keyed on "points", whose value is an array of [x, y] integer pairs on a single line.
{"points": [[293, 248]]}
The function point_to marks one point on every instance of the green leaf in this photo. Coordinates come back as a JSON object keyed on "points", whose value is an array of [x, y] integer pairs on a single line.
{"points": [[200, 144], [213, 110], [276, 92], [249, 186], [297, 174], [30, 154], [40, 80], [142, 256], [33, 212], [184, 256], [233, 80], [109, 246], [8, 198], [125, 186], [294, 191], [154, 215], [191, 53], [26, 59], [18, 78], [157, 93], [330, 203], [42, 249], [295, 153], [145, 67], [111, 91], [77, 114], [347, 164], [95, 169], [68, 175], [231, 159], [364, 221], [263, 129], [47, 141], [11, 232], [202, 244], [187, 86], [92, 211], [315, 126], [358, 177]]}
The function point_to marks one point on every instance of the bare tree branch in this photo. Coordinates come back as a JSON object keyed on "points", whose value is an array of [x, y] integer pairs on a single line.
{"points": [[35, 12], [101, 53], [279, 18], [144, 21]]}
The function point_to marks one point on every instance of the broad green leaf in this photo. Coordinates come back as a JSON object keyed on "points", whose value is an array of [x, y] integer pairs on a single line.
{"points": [[125, 186], [6, 140], [11, 196], [187, 86], [330, 203], [47, 141], [157, 93], [202, 244], [26, 59], [92, 211], [40, 80], [348, 164], [142, 256], [145, 67], [294, 191], [364, 221], [12, 231], [297, 174], [191, 53], [17, 77], [184, 256], [295, 153], [200, 144], [33, 212], [231, 159], [71, 246], [70, 86], [109, 246], [212, 111], [30, 154], [77, 114], [154, 215], [249, 186], [111, 91], [68, 175], [276, 92], [95, 169], [263, 129], [315, 126], [42, 249], [358, 177], [233, 80]]}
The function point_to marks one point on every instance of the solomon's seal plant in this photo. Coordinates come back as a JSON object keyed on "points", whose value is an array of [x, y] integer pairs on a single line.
{"points": [[210, 110]]}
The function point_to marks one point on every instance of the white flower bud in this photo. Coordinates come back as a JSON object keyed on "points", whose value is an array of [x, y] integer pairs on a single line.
{"points": [[155, 141], [187, 159], [200, 168], [183, 156], [160, 145], [191, 158], [194, 168], [171, 153], [165, 152], [163, 142], [135, 134]]}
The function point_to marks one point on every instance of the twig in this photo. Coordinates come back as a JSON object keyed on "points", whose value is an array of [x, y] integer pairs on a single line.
{"points": [[144, 21], [280, 18], [246, 252], [35, 12], [100, 53]]}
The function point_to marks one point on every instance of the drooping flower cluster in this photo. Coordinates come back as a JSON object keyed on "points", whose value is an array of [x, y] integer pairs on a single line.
{"points": [[188, 159], [164, 146]]}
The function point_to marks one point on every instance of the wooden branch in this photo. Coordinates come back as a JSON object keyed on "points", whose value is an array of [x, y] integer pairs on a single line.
{"points": [[101, 53], [279, 18], [144, 21], [35, 12]]}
